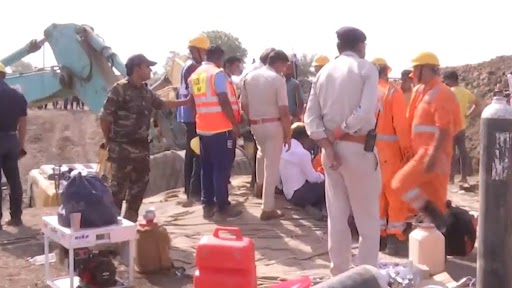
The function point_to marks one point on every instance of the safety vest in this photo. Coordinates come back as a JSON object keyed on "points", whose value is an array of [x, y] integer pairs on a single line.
{"points": [[232, 95], [209, 116]]}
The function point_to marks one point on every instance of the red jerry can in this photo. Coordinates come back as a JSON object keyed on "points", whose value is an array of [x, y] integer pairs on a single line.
{"points": [[225, 261]]}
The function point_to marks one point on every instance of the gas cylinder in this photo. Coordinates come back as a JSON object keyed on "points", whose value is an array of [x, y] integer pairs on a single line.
{"points": [[153, 245], [226, 261]]}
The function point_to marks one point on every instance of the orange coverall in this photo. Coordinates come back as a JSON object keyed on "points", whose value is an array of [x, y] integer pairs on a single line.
{"points": [[317, 163], [394, 148], [433, 107]]}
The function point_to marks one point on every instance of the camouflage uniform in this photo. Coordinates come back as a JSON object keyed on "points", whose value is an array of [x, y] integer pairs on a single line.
{"points": [[129, 108]]}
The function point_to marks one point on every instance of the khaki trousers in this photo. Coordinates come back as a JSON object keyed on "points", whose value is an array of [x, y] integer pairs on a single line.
{"points": [[357, 186], [269, 138]]}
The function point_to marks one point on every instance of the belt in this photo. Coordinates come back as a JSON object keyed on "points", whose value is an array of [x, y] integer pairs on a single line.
{"points": [[264, 121], [360, 139]]}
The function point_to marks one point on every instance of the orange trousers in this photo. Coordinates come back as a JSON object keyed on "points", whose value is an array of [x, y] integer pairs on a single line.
{"points": [[416, 186], [394, 212]]}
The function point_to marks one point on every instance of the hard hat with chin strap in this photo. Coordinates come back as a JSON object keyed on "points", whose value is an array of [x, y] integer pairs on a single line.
{"points": [[320, 60], [2, 68], [200, 41], [381, 62], [425, 58]]}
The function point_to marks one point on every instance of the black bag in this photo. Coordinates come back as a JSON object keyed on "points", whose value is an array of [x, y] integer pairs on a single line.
{"points": [[460, 233], [91, 197]]}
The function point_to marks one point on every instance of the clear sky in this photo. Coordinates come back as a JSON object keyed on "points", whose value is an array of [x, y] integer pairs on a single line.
{"points": [[459, 32]]}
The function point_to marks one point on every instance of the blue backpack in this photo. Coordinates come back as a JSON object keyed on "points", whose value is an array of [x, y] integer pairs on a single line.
{"points": [[90, 196]]}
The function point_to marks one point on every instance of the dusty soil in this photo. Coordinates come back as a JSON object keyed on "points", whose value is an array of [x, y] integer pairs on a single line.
{"points": [[60, 137], [285, 249]]}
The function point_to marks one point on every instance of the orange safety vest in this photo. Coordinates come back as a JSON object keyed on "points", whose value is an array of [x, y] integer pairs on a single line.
{"points": [[209, 116], [232, 92]]}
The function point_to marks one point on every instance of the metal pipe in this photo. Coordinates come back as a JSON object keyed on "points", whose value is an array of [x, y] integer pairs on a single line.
{"points": [[494, 264], [31, 47]]}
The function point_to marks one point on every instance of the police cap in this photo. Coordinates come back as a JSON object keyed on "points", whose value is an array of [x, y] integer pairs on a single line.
{"points": [[350, 36]]}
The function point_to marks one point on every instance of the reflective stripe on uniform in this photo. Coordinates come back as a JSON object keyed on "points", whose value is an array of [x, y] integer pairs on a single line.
{"points": [[387, 138], [396, 226], [420, 128], [383, 224], [415, 198]]}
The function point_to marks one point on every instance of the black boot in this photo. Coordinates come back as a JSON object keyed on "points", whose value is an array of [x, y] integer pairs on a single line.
{"points": [[435, 215]]}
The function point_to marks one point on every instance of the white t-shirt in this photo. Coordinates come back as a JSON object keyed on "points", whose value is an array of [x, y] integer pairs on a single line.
{"points": [[296, 168]]}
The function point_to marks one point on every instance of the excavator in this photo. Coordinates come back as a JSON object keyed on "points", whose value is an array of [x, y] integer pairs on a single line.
{"points": [[87, 68]]}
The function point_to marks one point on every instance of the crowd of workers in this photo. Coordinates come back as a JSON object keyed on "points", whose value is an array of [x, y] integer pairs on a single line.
{"points": [[321, 154]]}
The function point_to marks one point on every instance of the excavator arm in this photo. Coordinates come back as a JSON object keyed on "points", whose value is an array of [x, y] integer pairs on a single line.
{"points": [[87, 69]]}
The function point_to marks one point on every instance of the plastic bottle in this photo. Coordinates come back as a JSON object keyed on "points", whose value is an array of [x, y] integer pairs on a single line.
{"points": [[426, 247]]}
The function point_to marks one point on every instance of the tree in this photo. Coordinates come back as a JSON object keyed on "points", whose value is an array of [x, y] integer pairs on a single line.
{"points": [[304, 64], [21, 67], [231, 44]]}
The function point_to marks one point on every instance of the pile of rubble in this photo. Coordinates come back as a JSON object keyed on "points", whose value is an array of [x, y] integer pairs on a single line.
{"points": [[482, 79]]}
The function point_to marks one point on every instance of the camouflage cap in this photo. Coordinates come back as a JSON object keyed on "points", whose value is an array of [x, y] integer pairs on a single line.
{"points": [[137, 60]]}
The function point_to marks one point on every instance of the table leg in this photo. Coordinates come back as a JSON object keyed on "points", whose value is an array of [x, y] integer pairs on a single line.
{"points": [[131, 262], [47, 258], [71, 260]]}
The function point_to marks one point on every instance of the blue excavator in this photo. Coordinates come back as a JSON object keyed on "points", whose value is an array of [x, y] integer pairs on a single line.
{"points": [[86, 68]]}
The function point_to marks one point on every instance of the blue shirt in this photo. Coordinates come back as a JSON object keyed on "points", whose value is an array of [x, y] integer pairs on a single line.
{"points": [[185, 114], [221, 82], [13, 106]]}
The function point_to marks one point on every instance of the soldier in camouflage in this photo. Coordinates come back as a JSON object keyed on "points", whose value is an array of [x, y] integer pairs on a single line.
{"points": [[125, 121]]}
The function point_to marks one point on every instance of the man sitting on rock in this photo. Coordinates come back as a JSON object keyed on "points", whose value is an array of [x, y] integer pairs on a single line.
{"points": [[302, 185]]}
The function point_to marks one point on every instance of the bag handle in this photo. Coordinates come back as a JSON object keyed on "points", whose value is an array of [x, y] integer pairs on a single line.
{"points": [[232, 230]]}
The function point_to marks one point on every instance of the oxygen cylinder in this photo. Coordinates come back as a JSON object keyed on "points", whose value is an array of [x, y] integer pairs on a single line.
{"points": [[494, 265]]}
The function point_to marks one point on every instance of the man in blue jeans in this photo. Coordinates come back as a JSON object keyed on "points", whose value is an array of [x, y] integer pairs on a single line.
{"points": [[13, 128], [197, 47], [217, 114]]}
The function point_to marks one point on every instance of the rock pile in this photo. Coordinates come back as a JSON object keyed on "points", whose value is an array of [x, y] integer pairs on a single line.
{"points": [[482, 79]]}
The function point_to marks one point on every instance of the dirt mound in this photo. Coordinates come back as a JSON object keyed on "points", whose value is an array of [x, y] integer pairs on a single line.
{"points": [[482, 79], [60, 137]]}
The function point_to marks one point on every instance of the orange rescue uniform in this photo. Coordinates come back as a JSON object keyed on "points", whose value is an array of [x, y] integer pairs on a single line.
{"points": [[433, 107], [317, 163], [394, 148]]}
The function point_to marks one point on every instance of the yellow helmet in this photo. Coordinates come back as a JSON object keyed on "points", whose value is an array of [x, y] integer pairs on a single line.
{"points": [[381, 62], [200, 41], [297, 125], [425, 58], [195, 144], [320, 60], [2, 68]]}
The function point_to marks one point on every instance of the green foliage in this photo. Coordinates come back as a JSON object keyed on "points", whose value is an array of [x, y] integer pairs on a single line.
{"points": [[304, 64], [231, 44]]}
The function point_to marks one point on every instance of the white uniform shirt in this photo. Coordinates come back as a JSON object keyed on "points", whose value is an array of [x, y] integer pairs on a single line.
{"points": [[343, 95], [296, 168]]}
